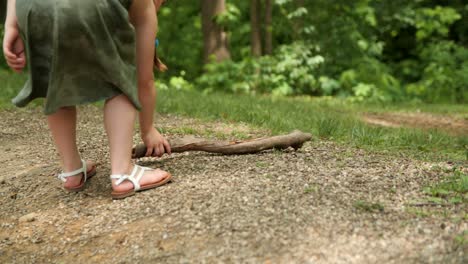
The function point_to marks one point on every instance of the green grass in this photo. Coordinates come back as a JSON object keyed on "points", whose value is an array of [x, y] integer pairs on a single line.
{"points": [[421, 213], [368, 206], [330, 119], [10, 85], [326, 118], [312, 189], [459, 110], [208, 133], [462, 239], [452, 190]]}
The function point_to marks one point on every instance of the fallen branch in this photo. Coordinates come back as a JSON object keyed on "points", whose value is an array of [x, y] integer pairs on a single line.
{"points": [[295, 140]]}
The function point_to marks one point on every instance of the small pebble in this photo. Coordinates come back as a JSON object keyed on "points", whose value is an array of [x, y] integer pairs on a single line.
{"points": [[28, 218]]}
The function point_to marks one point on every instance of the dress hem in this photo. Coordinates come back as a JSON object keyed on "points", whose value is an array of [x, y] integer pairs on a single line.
{"points": [[79, 102]]}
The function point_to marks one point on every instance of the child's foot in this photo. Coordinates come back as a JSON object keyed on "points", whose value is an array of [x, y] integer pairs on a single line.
{"points": [[74, 181], [150, 177]]}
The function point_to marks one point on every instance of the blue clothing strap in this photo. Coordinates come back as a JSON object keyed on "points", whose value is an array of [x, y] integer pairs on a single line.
{"points": [[156, 43]]}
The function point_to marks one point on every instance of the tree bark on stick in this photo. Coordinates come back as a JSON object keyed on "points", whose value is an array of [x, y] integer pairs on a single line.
{"points": [[214, 38], [295, 140]]}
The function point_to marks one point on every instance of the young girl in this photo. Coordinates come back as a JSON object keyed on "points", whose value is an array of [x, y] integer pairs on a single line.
{"points": [[85, 51]]}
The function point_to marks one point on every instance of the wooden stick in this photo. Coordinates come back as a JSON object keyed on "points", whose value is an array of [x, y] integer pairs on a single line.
{"points": [[295, 139]]}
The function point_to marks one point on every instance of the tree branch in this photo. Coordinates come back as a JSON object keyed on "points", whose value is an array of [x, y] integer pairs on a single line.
{"points": [[295, 139]]}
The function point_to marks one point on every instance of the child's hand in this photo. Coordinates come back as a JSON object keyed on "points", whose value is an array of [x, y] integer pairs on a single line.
{"points": [[13, 49], [156, 144], [160, 66]]}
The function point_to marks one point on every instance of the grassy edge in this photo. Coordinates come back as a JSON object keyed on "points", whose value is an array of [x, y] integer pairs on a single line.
{"points": [[323, 120]]}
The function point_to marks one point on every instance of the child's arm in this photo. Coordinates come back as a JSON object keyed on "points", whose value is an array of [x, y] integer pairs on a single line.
{"points": [[11, 20], [143, 17], [13, 47]]}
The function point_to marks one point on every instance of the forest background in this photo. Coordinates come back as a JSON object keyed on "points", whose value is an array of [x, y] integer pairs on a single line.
{"points": [[361, 50]]}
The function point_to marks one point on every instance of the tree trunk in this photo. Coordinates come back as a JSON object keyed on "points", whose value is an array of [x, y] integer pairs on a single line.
{"points": [[214, 37], [256, 34], [268, 27]]}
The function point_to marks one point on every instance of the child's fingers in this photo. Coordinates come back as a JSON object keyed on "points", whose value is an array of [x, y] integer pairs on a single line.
{"points": [[17, 64], [167, 147], [22, 55], [8, 49], [160, 150], [9, 55], [8, 46], [19, 67], [22, 58], [18, 60], [13, 50], [14, 63], [157, 151], [18, 70], [149, 151]]}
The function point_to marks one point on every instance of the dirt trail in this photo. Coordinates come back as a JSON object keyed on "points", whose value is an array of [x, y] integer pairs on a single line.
{"points": [[451, 125], [273, 207]]}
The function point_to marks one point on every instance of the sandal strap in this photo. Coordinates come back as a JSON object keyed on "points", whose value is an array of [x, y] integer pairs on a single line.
{"points": [[64, 175], [135, 180]]}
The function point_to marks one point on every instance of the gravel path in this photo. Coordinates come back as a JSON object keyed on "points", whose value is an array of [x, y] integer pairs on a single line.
{"points": [[309, 206]]}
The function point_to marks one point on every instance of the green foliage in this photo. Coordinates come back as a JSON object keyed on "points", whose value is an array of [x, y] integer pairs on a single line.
{"points": [[180, 83], [180, 34], [292, 70], [296, 70], [433, 22], [229, 17], [11, 83], [370, 79], [462, 239], [366, 50], [445, 75], [3, 64]]}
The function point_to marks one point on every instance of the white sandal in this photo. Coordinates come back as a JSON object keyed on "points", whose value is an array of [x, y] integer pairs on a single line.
{"points": [[86, 176], [135, 177]]}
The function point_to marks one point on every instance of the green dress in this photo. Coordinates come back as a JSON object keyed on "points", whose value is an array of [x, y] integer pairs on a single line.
{"points": [[78, 51]]}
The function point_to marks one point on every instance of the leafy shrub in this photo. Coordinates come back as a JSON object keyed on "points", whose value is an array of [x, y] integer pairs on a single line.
{"points": [[292, 70], [297, 70], [445, 74], [370, 80]]}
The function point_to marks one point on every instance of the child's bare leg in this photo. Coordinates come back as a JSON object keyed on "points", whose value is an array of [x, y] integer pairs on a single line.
{"points": [[119, 119], [62, 124]]}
